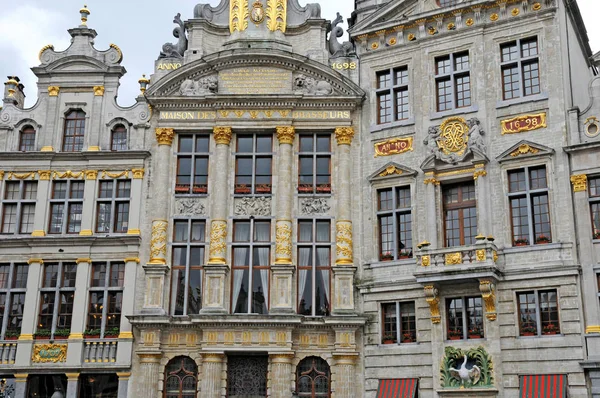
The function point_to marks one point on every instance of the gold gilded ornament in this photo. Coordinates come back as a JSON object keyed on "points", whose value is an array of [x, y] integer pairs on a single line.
{"points": [[238, 15], [164, 136], [283, 243], [425, 261], [470, 22], [454, 258], [579, 183], [481, 255], [454, 136], [53, 91], [222, 135], [488, 294], [494, 17], [49, 353], [524, 123], [524, 149], [390, 170], [277, 15], [286, 134], [257, 15], [515, 12], [344, 135], [536, 6], [393, 146], [158, 242], [344, 245], [218, 244], [432, 298], [99, 91]]}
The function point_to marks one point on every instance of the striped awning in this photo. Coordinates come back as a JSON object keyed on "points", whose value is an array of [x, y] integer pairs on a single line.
{"points": [[543, 386], [397, 388]]}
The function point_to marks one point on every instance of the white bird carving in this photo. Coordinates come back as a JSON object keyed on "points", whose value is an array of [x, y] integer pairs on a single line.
{"points": [[463, 374]]}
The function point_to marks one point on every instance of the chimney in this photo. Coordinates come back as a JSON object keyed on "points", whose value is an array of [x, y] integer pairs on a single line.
{"points": [[13, 92]]}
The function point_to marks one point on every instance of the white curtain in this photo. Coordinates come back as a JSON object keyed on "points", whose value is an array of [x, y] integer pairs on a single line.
{"points": [[264, 277], [323, 232], [238, 278], [325, 277], [302, 276], [242, 232]]}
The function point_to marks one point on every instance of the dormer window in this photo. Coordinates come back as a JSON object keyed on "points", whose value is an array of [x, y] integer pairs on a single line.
{"points": [[74, 131], [27, 139], [447, 3], [118, 140]]}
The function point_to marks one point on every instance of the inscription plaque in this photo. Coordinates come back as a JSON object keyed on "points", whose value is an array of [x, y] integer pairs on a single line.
{"points": [[255, 80]]}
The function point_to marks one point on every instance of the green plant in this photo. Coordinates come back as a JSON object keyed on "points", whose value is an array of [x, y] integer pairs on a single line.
{"points": [[62, 332], [405, 253], [521, 241], [389, 336], [550, 328], [387, 256], [408, 336], [528, 329], [454, 332], [597, 235], [42, 333], [12, 333], [475, 331], [91, 332], [112, 332], [542, 239]]}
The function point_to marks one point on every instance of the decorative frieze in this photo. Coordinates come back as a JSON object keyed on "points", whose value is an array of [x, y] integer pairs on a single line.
{"points": [[190, 207], [312, 206], [253, 206]]}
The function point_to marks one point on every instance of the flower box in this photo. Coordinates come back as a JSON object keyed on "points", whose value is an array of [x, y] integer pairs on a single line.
{"points": [[455, 334], [521, 242], [475, 336], [12, 338], [91, 334], [550, 329], [11, 335], [387, 256], [42, 334], [527, 334], [242, 188], [404, 254], [408, 338], [305, 188], [324, 188], [263, 188], [542, 240], [199, 189], [596, 235], [454, 337], [182, 188], [388, 341]]}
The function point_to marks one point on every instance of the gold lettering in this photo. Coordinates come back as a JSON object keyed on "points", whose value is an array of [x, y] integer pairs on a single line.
{"points": [[169, 66]]}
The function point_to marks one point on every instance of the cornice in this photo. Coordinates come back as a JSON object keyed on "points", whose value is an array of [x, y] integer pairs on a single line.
{"points": [[217, 102], [65, 240], [74, 156]]}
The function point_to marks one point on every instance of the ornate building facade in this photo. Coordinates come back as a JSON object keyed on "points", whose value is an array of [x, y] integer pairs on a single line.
{"points": [[283, 214]]}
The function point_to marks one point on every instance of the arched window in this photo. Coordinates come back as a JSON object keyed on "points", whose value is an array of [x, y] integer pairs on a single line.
{"points": [[74, 131], [181, 378], [313, 378], [118, 139], [27, 139]]}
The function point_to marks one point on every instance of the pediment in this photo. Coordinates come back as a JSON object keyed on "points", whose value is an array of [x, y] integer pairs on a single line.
{"points": [[393, 11], [77, 64], [251, 73], [392, 170], [524, 149], [432, 164]]}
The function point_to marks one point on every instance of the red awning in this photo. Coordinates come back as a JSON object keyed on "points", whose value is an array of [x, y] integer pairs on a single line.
{"points": [[543, 386], [397, 388]]}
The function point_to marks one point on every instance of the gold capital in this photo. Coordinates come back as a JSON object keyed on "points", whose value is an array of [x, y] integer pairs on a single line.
{"points": [[53, 91], [44, 175], [579, 183], [38, 232], [91, 174], [286, 134], [164, 136], [83, 260], [592, 329], [222, 135], [99, 91], [138, 174], [132, 259], [344, 135], [35, 260]]}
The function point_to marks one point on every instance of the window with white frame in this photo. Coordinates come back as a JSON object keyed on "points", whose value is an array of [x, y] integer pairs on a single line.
{"points": [[520, 68], [112, 206], [13, 286], [314, 267], [66, 207], [399, 322], [189, 244], [18, 207], [465, 318], [106, 299], [314, 164], [395, 223], [453, 81], [392, 95], [253, 164], [538, 312], [56, 299]]}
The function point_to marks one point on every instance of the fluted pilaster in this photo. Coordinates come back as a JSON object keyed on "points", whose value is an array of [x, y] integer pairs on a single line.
{"points": [[212, 367], [281, 375], [150, 369], [345, 376]]}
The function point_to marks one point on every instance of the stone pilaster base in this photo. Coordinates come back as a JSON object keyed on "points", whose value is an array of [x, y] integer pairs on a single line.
{"points": [[155, 289], [345, 375], [150, 368], [282, 289], [343, 290], [214, 289]]}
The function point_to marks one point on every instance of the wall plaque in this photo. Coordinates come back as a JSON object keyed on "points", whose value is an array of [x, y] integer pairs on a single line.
{"points": [[49, 353], [393, 146], [255, 80], [524, 123]]}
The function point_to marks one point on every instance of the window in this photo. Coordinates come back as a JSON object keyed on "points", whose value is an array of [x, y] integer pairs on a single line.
{"points": [[465, 318], [253, 164], [594, 192], [66, 207], [106, 299], [27, 139], [392, 95], [313, 378], [314, 267], [56, 302], [181, 378], [112, 215], [399, 323], [395, 223], [251, 258], [47, 385], [315, 164], [446, 3], [102, 385], [520, 68], [13, 285], [460, 214], [74, 131], [452, 81], [189, 240], [538, 313], [118, 138], [192, 164], [18, 207], [529, 207]]}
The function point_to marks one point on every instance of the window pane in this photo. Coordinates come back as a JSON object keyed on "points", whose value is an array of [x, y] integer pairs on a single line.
{"points": [[323, 143], [50, 275], [386, 237], [443, 65], [178, 290], [549, 312], [322, 299], [59, 190], [15, 316], [95, 310], [117, 275], [538, 178], [113, 313], [386, 201], [384, 79], [263, 144], [105, 190], [323, 231], [260, 290], [305, 231], [241, 286], [241, 231], [30, 190], [527, 314], [20, 277], [77, 190], [475, 317], [195, 292], [99, 274], [306, 143], [124, 189], [186, 143], [244, 144], [305, 289], [198, 231], [69, 275], [104, 217], [403, 198], [180, 231], [4, 275], [408, 322], [455, 319], [46, 311], [65, 310], [179, 256], [390, 330], [202, 144], [262, 231]]}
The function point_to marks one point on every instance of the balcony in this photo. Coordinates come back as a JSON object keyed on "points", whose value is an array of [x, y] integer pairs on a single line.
{"points": [[100, 351], [459, 264], [8, 352]]}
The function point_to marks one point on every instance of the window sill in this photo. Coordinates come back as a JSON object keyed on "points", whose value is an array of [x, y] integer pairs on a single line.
{"points": [[185, 195], [534, 247], [404, 261], [452, 112], [521, 100], [385, 126], [253, 195], [541, 335]]}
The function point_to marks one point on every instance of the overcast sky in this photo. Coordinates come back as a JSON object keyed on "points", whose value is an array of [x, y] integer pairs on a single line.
{"points": [[138, 28]]}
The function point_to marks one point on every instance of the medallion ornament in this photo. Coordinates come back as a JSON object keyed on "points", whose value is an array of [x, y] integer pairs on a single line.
{"points": [[222, 135], [164, 136], [99, 91], [344, 245], [454, 258], [467, 368], [344, 135], [524, 149], [393, 146], [524, 123], [238, 15], [283, 242], [257, 15], [49, 353], [455, 138], [432, 298], [138, 174], [286, 134], [481, 255], [45, 174], [277, 15], [218, 242], [488, 293], [158, 242], [579, 183]]}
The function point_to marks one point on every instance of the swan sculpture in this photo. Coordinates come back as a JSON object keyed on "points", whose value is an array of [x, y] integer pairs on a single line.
{"points": [[465, 375]]}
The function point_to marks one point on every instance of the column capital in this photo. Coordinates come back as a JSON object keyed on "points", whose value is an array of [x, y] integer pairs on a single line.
{"points": [[222, 135], [345, 358], [213, 357], [150, 357], [282, 357], [35, 260], [286, 134], [21, 377], [579, 182], [44, 174], [138, 174], [83, 260], [123, 375], [344, 135], [72, 376], [164, 136]]}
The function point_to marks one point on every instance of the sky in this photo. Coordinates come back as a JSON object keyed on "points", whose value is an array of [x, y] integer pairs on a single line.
{"points": [[138, 28]]}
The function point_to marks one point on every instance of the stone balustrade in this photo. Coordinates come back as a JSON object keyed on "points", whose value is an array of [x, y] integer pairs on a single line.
{"points": [[100, 351], [8, 352]]}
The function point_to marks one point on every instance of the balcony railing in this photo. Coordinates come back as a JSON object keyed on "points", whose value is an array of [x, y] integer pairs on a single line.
{"points": [[100, 351], [8, 352]]}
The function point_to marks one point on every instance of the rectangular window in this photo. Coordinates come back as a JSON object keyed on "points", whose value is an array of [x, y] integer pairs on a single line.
{"points": [[460, 214], [253, 164], [74, 131], [392, 95], [106, 299], [314, 166], [594, 195], [314, 267], [56, 301], [18, 207], [538, 313], [520, 68], [529, 206], [13, 286], [465, 318], [112, 206], [66, 207], [27, 139], [453, 81], [251, 260], [192, 164], [395, 223], [399, 323], [189, 244], [118, 138]]}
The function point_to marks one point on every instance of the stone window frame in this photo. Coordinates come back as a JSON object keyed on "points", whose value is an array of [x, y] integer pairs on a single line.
{"points": [[192, 188], [188, 245], [314, 153], [539, 332], [594, 200], [453, 77], [28, 129], [9, 292], [114, 201], [466, 326], [119, 129], [76, 129], [19, 203], [519, 63], [392, 89], [106, 291], [255, 189], [461, 206], [58, 291], [20, 127], [67, 201], [399, 331], [395, 212]]}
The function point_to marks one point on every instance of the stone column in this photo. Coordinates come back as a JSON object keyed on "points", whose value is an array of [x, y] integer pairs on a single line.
{"points": [[432, 219], [54, 116], [72, 379], [34, 276], [282, 271], [343, 272], [41, 209], [484, 208], [345, 375], [93, 136], [125, 328], [212, 367], [78, 324], [123, 384], [157, 268], [20, 385], [136, 197], [88, 204], [281, 375], [149, 372], [216, 268]]}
